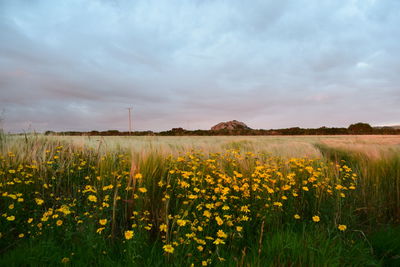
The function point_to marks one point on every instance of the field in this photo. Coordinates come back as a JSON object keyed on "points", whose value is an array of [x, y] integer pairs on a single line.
{"points": [[200, 201]]}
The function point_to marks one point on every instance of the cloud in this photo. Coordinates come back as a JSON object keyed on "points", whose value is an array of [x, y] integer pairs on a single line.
{"points": [[77, 65]]}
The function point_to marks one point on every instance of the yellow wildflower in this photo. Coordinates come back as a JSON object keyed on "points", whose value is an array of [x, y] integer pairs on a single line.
{"points": [[219, 220], [163, 227], [39, 201], [181, 222], [168, 248], [142, 189], [128, 234], [316, 218], [92, 198], [221, 234]]}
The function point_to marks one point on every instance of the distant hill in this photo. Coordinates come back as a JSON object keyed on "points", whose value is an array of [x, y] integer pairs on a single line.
{"points": [[230, 125]]}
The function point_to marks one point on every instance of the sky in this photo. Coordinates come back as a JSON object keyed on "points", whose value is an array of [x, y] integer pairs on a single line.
{"points": [[78, 65]]}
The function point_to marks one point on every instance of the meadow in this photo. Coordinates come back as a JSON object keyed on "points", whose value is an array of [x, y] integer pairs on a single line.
{"points": [[200, 201]]}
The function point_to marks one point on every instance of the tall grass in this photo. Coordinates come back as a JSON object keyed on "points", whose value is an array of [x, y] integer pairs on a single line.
{"points": [[171, 193], [378, 199]]}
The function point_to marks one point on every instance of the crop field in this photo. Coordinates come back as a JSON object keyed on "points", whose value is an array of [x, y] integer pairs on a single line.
{"points": [[200, 201]]}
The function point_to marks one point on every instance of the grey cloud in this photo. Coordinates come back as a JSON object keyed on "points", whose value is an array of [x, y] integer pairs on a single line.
{"points": [[76, 65]]}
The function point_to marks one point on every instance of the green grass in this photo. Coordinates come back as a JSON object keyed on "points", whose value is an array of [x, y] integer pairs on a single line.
{"points": [[271, 238]]}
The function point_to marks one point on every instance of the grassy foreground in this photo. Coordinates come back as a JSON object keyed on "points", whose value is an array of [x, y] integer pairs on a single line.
{"points": [[221, 204]]}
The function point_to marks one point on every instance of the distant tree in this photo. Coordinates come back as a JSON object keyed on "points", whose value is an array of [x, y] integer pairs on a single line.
{"points": [[360, 128]]}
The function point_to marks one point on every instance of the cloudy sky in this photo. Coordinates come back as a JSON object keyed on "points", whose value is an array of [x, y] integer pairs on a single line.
{"points": [[78, 64]]}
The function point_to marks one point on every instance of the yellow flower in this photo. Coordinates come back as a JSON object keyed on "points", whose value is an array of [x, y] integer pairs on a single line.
{"points": [[239, 228], [221, 234], [11, 171], [143, 189], [138, 176], [168, 248], [181, 222], [297, 216], [92, 198], [30, 220], [163, 227], [99, 230], [315, 218], [11, 218], [207, 213], [204, 263], [65, 260], [305, 188], [128, 235], [103, 221], [219, 220], [21, 235], [11, 206], [342, 227], [218, 241], [59, 223], [39, 201], [278, 204], [245, 209], [200, 248]]}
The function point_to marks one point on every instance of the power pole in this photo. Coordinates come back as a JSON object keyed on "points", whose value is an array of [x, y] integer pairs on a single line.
{"points": [[130, 120]]}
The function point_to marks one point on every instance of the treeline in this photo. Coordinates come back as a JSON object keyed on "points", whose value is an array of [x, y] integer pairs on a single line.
{"points": [[354, 129]]}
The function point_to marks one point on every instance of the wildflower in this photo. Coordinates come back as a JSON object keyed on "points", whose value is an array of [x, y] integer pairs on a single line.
{"points": [[103, 221], [163, 227], [245, 209], [92, 198], [143, 189], [128, 235], [315, 218], [218, 241], [30, 220], [65, 260], [219, 220], [278, 204], [204, 263], [342, 227], [297, 216], [39, 201], [239, 228], [138, 176], [181, 222], [99, 230], [59, 223], [207, 213], [168, 248], [21, 235], [221, 234], [200, 248], [11, 218]]}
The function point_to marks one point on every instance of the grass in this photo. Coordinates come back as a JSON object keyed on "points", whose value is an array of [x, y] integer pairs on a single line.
{"points": [[221, 201]]}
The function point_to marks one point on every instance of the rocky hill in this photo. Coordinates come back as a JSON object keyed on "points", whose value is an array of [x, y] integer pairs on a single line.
{"points": [[230, 125]]}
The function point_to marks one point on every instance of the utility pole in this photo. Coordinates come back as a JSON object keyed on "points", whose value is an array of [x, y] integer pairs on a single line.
{"points": [[130, 121]]}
